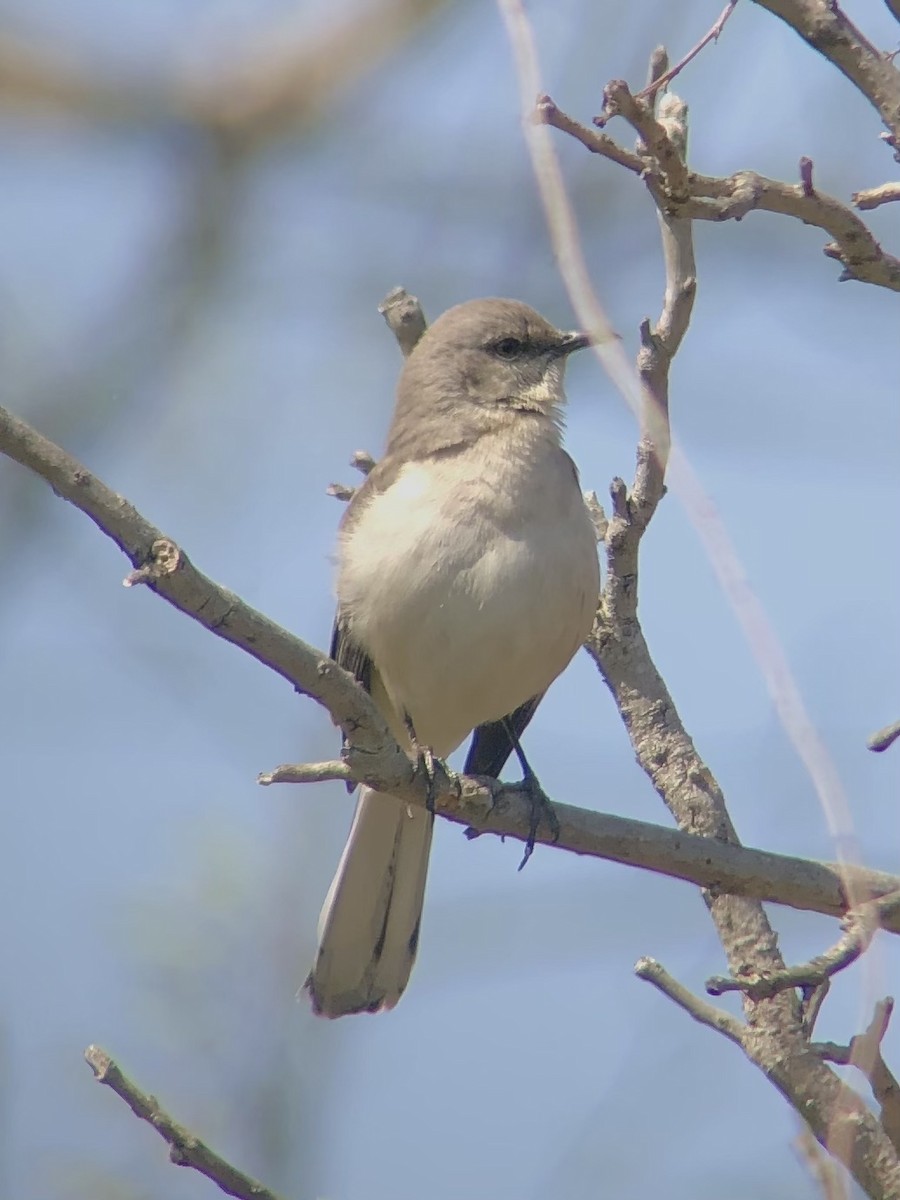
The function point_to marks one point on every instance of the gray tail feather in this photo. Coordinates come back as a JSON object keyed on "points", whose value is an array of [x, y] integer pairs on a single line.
{"points": [[369, 926]]}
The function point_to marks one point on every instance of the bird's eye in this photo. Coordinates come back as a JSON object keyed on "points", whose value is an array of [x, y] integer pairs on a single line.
{"points": [[508, 347]]}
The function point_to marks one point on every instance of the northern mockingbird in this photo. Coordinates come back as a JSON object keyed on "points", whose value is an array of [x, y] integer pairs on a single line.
{"points": [[467, 580]]}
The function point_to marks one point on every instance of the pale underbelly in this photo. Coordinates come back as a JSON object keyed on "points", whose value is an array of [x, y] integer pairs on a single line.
{"points": [[463, 652]]}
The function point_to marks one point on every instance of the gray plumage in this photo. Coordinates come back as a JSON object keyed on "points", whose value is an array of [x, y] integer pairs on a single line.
{"points": [[467, 580]]}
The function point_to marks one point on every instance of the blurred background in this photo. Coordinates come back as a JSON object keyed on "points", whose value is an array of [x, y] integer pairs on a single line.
{"points": [[202, 204]]}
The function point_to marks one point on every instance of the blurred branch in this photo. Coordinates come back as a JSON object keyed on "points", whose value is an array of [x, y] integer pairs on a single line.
{"points": [[373, 756], [864, 1053], [186, 1149], [828, 29], [284, 76], [404, 317], [824, 1170], [139, 334]]}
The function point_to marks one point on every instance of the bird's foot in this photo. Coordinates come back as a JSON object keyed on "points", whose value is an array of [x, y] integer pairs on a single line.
{"points": [[426, 763], [541, 808]]}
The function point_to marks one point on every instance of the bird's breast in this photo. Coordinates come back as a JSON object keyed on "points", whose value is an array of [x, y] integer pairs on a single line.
{"points": [[470, 582]]}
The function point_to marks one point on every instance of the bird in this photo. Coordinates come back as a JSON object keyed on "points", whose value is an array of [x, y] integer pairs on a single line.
{"points": [[467, 580]]}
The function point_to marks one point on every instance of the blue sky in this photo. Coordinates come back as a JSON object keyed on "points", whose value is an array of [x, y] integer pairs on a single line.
{"points": [[154, 899]]}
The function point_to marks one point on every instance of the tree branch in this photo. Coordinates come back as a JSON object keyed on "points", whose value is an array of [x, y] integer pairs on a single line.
{"points": [[884, 738], [707, 1014], [886, 193], [864, 1053], [860, 925], [186, 1149], [164, 567], [827, 28], [282, 77], [404, 317], [375, 758], [774, 1036], [690, 195]]}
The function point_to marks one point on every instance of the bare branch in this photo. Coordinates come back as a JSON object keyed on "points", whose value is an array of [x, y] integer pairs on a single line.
{"points": [[887, 193], [166, 569], [362, 461], [826, 27], [375, 757], [341, 491], [547, 113], [660, 344], [732, 197], [884, 737], [812, 999], [774, 1037], [619, 102], [712, 35], [405, 318], [185, 1148], [707, 1014], [321, 772], [680, 192], [864, 1053], [859, 924]]}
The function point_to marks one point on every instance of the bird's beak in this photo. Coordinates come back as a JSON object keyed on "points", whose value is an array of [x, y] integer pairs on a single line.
{"points": [[573, 341]]}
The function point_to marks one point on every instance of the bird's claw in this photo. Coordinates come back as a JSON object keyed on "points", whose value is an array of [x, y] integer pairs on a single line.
{"points": [[541, 808]]}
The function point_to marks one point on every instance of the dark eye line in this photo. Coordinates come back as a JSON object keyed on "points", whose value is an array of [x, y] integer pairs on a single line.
{"points": [[507, 347]]}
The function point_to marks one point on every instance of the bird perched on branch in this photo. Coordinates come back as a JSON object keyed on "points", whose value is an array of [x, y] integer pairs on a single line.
{"points": [[467, 580]]}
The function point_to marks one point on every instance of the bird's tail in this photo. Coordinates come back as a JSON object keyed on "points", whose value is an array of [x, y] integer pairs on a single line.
{"points": [[369, 927]]}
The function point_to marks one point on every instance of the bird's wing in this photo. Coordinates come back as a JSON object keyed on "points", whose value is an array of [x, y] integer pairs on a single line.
{"points": [[492, 744]]}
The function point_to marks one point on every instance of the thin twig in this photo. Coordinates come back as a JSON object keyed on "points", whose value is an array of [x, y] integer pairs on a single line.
{"points": [[859, 924], [405, 318], [707, 1014], [887, 193], [760, 635], [884, 737], [360, 460], [185, 1148], [548, 113], [320, 772], [711, 35], [711, 198]]}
